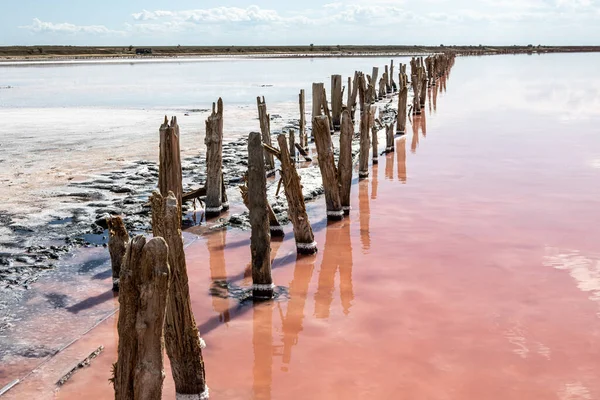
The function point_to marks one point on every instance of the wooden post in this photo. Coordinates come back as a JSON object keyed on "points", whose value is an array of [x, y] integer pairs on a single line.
{"points": [[139, 371], [372, 89], [345, 161], [388, 86], [214, 161], [327, 111], [262, 282], [169, 171], [352, 101], [182, 339], [305, 239], [375, 146], [274, 226], [349, 98], [423, 83], [265, 128], [118, 238], [393, 87], [292, 145], [402, 103], [328, 169], [389, 134], [365, 122], [336, 101], [363, 90], [382, 87], [224, 200], [303, 139]]}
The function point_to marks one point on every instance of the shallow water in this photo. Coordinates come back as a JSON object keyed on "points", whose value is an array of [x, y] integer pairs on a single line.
{"points": [[468, 267]]}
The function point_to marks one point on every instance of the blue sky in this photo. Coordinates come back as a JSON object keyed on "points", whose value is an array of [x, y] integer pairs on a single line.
{"points": [[283, 22]]}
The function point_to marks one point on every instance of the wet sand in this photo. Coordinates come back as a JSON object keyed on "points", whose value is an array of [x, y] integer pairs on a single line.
{"points": [[468, 269]]}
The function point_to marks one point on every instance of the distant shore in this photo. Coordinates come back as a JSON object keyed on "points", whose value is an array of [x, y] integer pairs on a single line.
{"points": [[149, 53]]}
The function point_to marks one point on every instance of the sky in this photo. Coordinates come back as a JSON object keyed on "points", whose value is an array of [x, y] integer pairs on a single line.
{"points": [[302, 22]]}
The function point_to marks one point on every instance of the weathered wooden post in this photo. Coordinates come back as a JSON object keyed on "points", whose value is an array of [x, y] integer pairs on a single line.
{"points": [[262, 282], [345, 161], [328, 169], [305, 239], [302, 136], [224, 199], [389, 134], [336, 101], [363, 157], [388, 86], [139, 370], [352, 99], [169, 170], [375, 145], [265, 128], [327, 111], [292, 145], [423, 83], [214, 161], [392, 83], [118, 238], [382, 87], [182, 339], [372, 89], [402, 102], [274, 226]]}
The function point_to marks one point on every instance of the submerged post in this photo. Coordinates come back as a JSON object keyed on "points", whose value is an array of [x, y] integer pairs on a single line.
{"points": [[262, 282], [345, 161], [139, 370], [214, 161], [327, 167], [118, 238], [375, 146], [303, 233], [265, 128], [169, 170], [182, 339], [336, 101]]}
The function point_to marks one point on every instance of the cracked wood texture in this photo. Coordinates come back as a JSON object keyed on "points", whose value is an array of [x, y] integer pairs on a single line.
{"points": [[327, 167], [181, 332], [214, 161], [139, 371], [169, 171], [118, 238], [260, 240], [303, 232], [345, 161]]}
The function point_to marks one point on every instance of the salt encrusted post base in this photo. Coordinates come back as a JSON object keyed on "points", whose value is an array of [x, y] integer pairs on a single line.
{"points": [[201, 396], [307, 248]]}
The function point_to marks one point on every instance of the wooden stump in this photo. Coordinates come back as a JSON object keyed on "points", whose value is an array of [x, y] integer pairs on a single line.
{"points": [[402, 104], [182, 339], [118, 238], [352, 99], [372, 89], [317, 99], [363, 158], [139, 371], [389, 135], [363, 94], [262, 282], [393, 86], [224, 199], [345, 161], [214, 161], [303, 138], [327, 111], [305, 239], [169, 170], [336, 101], [375, 145], [328, 169], [265, 128]]}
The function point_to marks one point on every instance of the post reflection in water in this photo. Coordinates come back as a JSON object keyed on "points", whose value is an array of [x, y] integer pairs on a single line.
{"points": [[401, 154], [262, 344], [423, 124], [374, 182], [435, 93], [430, 92], [337, 255], [218, 272], [389, 166], [364, 214], [415, 129], [294, 316]]}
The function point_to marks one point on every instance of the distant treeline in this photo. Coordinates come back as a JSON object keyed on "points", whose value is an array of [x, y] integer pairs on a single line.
{"points": [[169, 51]]}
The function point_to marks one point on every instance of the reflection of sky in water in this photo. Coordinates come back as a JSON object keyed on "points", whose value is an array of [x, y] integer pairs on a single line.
{"points": [[173, 84], [565, 85]]}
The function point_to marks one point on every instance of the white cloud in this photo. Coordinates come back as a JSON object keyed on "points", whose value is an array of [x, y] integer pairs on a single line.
{"points": [[38, 26]]}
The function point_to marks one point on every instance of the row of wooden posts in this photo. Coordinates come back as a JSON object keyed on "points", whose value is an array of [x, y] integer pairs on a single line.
{"points": [[151, 275]]}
